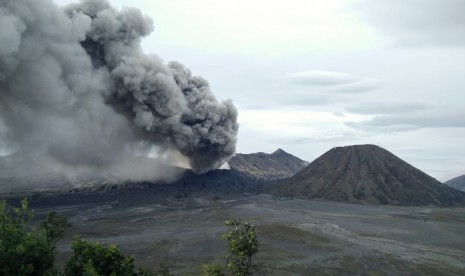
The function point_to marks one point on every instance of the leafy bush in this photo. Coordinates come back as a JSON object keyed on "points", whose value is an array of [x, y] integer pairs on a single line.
{"points": [[242, 246], [213, 270], [90, 258], [23, 250]]}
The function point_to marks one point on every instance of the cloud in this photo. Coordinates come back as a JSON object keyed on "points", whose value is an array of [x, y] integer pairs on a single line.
{"points": [[378, 108], [259, 27], [336, 82], [341, 137], [417, 23], [432, 118], [305, 99], [317, 77], [363, 85]]}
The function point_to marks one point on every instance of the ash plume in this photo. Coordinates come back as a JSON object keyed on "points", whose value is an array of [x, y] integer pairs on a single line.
{"points": [[76, 87]]}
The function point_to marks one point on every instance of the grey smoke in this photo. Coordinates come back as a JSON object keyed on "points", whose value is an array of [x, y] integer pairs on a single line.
{"points": [[76, 87]]}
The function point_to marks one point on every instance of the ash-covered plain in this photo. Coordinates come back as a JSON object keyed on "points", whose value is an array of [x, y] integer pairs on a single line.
{"points": [[297, 237]]}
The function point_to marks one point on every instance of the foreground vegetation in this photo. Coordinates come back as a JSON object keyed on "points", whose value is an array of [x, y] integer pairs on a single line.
{"points": [[31, 250]]}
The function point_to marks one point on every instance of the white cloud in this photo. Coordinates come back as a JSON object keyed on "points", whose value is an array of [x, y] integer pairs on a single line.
{"points": [[446, 117], [417, 23], [260, 27], [386, 107], [318, 77], [342, 137], [336, 82], [362, 85]]}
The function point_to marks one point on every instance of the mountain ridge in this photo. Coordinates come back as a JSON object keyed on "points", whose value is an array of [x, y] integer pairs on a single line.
{"points": [[264, 166], [457, 183], [364, 174], [368, 174]]}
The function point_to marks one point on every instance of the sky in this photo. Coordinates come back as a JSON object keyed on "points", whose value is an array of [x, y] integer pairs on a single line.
{"points": [[310, 75]]}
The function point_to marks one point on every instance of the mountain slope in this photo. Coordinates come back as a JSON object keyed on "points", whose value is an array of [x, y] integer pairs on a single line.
{"points": [[263, 166], [457, 183], [368, 174]]}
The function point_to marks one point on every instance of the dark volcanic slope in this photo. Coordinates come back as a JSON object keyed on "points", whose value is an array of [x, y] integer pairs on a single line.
{"points": [[368, 174], [213, 183], [277, 165], [457, 183]]}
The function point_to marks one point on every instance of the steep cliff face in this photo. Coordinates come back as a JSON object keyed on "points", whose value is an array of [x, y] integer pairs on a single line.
{"points": [[263, 166], [368, 174], [457, 183]]}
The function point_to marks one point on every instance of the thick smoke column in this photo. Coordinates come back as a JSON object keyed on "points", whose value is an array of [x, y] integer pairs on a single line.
{"points": [[76, 86]]}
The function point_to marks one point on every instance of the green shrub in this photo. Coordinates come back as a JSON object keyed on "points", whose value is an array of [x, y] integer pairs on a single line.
{"points": [[25, 250], [242, 246], [91, 257]]}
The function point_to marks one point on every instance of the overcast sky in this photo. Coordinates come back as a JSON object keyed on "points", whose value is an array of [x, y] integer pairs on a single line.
{"points": [[309, 75]]}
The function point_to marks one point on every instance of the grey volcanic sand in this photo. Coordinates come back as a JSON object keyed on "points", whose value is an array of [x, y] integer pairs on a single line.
{"points": [[297, 236]]}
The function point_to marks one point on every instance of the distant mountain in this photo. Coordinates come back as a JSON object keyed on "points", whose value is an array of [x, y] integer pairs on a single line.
{"points": [[457, 183], [368, 174], [264, 166]]}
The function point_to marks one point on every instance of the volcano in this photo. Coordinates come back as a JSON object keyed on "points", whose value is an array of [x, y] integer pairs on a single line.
{"points": [[264, 166], [368, 174], [457, 183]]}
